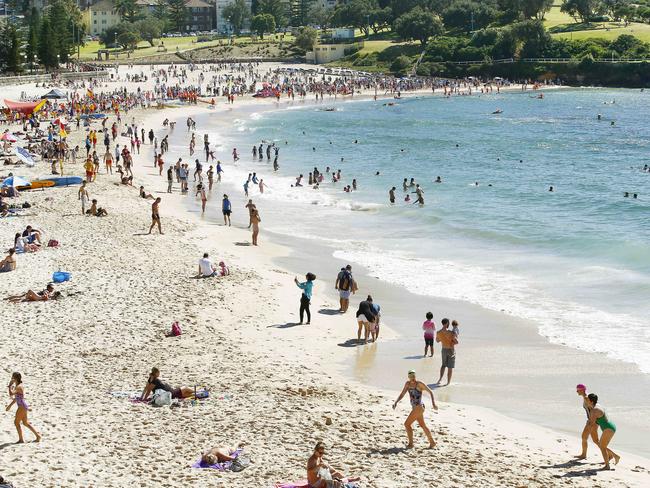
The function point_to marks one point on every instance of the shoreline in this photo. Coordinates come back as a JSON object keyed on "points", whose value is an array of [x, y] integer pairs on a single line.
{"points": [[236, 340], [520, 331]]}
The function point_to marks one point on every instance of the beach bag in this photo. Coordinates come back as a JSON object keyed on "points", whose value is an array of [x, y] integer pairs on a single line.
{"points": [[52, 243], [176, 329], [161, 398], [241, 463]]}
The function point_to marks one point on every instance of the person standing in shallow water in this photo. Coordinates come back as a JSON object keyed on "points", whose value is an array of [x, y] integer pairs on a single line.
{"points": [[448, 352], [415, 389], [307, 288], [17, 394]]}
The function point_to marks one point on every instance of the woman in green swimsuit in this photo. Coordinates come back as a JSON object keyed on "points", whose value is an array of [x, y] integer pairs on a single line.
{"points": [[598, 417]]}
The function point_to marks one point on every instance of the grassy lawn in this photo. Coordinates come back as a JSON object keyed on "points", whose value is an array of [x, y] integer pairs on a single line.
{"points": [[370, 47], [144, 49], [559, 21]]}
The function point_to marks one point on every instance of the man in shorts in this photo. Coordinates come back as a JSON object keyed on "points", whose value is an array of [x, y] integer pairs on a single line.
{"points": [[448, 340], [346, 285]]}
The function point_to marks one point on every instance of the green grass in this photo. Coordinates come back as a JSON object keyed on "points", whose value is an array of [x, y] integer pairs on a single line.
{"points": [[144, 49], [370, 47], [559, 21]]}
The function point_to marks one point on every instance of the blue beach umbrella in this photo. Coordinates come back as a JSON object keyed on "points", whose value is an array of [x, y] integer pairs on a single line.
{"points": [[15, 181]]}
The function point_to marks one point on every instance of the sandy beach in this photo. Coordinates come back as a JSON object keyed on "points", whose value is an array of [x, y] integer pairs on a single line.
{"points": [[274, 386]]}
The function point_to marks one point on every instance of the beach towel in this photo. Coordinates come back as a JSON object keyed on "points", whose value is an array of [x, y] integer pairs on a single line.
{"points": [[225, 466], [295, 484]]}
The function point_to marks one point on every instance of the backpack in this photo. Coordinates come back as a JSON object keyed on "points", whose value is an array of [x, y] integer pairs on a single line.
{"points": [[240, 463], [176, 329], [52, 243], [161, 398], [345, 283]]}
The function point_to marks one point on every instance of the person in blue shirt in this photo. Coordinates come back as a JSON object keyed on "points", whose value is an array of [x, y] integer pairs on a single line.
{"points": [[226, 208], [307, 287]]}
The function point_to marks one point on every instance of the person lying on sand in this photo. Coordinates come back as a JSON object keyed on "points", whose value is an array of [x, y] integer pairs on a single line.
{"points": [[32, 296], [320, 475], [219, 454], [154, 383]]}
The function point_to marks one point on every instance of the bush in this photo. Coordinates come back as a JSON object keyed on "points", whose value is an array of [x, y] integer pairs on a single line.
{"points": [[400, 65]]}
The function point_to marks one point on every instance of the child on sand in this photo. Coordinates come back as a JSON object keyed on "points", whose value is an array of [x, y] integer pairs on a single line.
{"points": [[429, 329]]}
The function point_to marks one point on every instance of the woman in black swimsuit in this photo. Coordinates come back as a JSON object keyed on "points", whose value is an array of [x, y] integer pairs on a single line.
{"points": [[415, 389], [154, 383]]}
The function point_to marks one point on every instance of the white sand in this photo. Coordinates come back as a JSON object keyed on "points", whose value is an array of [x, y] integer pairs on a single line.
{"points": [[282, 382]]}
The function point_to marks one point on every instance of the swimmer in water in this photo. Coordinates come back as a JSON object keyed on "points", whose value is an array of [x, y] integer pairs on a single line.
{"points": [[550, 188], [391, 195], [438, 179]]}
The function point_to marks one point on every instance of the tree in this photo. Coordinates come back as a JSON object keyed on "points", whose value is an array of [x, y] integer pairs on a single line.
{"points": [[380, 18], [10, 47], [149, 29], [262, 23], [32, 34], [419, 24], [469, 15], [236, 14], [124, 33], [276, 8], [319, 15], [401, 63], [177, 14], [47, 47], [306, 38], [535, 8], [128, 9], [355, 13], [161, 13], [581, 10]]}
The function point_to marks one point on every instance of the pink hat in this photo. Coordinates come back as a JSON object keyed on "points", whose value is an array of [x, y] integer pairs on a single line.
{"points": [[581, 387]]}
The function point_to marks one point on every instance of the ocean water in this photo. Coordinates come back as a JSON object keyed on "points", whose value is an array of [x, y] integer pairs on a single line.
{"points": [[575, 261]]}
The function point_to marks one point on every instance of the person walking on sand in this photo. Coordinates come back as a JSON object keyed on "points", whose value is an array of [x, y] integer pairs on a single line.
{"points": [[307, 288], [17, 394], [84, 197], [155, 215], [429, 333], [255, 219], [226, 209], [448, 340], [587, 431], [170, 179], [346, 285], [598, 417], [415, 389]]}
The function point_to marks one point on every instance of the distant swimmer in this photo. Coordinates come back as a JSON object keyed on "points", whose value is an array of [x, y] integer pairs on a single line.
{"points": [[626, 194], [457, 145], [438, 179], [313, 149], [412, 183], [497, 111], [405, 184], [476, 183], [550, 188], [612, 123], [356, 141], [634, 195], [391, 195], [600, 117], [407, 198], [377, 173]]}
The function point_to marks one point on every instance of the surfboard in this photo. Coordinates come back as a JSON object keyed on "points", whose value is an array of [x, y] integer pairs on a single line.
{"points": [[62, 180], [37, 184]]}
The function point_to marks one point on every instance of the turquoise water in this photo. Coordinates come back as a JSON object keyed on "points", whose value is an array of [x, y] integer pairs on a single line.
{"points": [[576, 261]]}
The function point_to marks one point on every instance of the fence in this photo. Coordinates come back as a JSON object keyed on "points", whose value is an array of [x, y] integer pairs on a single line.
{"points": [[48, 77]]}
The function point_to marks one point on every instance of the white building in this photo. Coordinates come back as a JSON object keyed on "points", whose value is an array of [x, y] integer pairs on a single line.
{"points": [[223, 26]]}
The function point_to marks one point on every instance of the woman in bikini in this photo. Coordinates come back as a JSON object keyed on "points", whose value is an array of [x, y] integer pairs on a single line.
{"points": [[415, 389], [154, 383], [255, 221], [17, 395]]}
